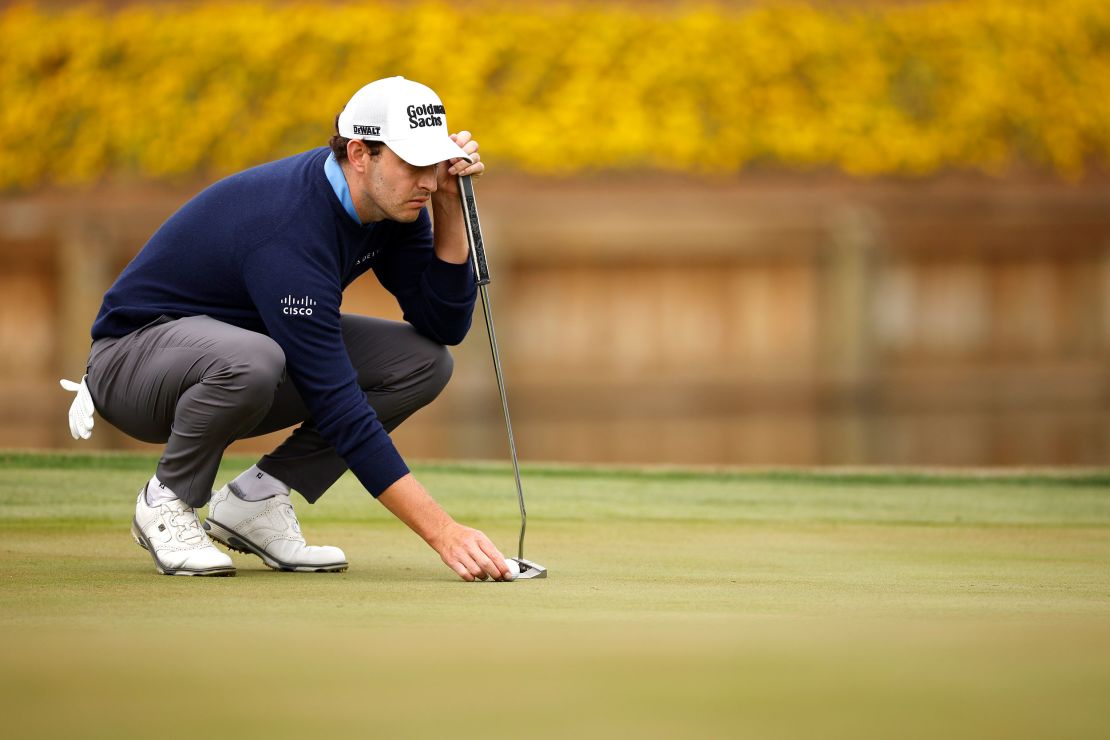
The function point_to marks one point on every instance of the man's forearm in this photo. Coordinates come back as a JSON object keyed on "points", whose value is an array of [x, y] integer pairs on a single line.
{"points": [[449, 236], [408, 501], [466, 551]]}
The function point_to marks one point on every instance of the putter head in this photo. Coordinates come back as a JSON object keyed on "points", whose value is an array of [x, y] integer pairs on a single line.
{"points": [[528, 569]]}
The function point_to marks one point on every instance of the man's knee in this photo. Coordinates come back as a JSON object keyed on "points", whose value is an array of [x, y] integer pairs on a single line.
{"points": [[433, 371], [441, 367], [257, 369]]}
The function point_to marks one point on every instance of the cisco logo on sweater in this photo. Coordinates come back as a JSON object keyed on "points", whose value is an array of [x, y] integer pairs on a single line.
{"points": [[291, 306]]}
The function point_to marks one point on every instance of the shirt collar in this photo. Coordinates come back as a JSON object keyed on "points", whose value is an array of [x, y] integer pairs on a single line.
{"points": [[339, 184]]}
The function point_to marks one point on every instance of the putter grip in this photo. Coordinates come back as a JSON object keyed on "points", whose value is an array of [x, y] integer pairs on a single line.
{"points": [[473, 230]]}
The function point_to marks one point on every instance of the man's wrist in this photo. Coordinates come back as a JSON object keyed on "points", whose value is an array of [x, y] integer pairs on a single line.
{"points": [[446, 206], [436, 538]]}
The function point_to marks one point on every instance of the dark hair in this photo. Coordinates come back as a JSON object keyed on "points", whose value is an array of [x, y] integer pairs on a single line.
{"points": [[339, 143]]}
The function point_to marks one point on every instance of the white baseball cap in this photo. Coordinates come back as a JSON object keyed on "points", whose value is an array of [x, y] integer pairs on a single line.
{"points": [[404, 115]]}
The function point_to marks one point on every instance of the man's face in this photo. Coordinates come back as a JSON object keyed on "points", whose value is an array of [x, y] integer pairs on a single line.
{"points": [[388, 187]]}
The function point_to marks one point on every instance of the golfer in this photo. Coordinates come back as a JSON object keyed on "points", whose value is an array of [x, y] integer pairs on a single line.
{"points": [[227, 325]]}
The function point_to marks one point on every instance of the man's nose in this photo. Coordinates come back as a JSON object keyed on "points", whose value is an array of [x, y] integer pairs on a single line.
{"points": [[428, 180]]}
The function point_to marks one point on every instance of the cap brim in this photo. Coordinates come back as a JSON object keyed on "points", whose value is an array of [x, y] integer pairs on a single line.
{"points": [[421, 152]]}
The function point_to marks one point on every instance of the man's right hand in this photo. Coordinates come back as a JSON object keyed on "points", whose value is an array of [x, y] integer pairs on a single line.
{"points": [[466, 551], [469, 553]]}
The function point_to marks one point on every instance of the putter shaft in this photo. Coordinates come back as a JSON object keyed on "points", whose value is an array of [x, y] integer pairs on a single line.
{"points": [[481, 274], [505, 409]]}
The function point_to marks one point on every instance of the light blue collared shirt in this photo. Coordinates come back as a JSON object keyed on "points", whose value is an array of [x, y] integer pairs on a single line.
{"points": [[339, 184]]}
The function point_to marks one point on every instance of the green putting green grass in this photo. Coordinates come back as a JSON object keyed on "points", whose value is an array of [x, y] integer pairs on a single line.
{"points": [[680, 603]]}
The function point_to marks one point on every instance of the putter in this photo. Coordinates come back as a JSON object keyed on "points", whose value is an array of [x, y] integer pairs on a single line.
{"points": [[528, 569]]}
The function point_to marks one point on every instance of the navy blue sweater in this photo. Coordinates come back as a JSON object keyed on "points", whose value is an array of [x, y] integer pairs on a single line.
{"points": [[270, 250]]}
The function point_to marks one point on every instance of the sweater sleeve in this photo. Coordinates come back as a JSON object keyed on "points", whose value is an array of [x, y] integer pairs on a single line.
{"points": [[436, 297], [298, 295]]}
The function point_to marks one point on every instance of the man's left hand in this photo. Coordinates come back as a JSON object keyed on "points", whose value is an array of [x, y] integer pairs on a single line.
{"points": [[447, 173]]}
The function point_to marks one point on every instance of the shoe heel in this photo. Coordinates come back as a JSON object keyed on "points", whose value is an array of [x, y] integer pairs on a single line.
{"points": [[216, 533], [228, 539], [135, 535]]}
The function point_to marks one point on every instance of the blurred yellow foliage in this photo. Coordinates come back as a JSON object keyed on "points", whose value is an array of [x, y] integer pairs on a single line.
{"points": [[168, 91]]}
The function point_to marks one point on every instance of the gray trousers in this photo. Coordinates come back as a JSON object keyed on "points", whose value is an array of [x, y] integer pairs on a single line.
{"points": [[197, 385]]}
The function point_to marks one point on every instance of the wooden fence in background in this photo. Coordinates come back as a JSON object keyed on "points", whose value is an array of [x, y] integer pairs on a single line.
{"points": [[768, 320]]}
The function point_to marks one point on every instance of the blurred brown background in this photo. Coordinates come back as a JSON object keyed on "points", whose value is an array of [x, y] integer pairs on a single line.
{"points": [[772, 315], [769, 320]]}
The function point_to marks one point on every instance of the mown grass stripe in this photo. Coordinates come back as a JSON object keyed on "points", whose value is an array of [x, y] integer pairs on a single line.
{"points": [[40, 460], [877, 476]]}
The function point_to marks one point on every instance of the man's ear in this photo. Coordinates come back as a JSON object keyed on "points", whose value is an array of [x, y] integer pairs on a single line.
{"points": [[356, 149]]}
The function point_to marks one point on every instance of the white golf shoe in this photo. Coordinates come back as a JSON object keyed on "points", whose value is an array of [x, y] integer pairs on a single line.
{"points": [[171, 533], [270, 530]]}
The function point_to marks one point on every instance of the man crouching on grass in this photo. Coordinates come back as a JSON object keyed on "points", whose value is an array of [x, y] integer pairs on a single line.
{"points": [[227, 325]]}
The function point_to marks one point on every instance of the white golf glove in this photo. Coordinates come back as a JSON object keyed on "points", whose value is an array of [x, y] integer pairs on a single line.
{"points": [[81, 410]]}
